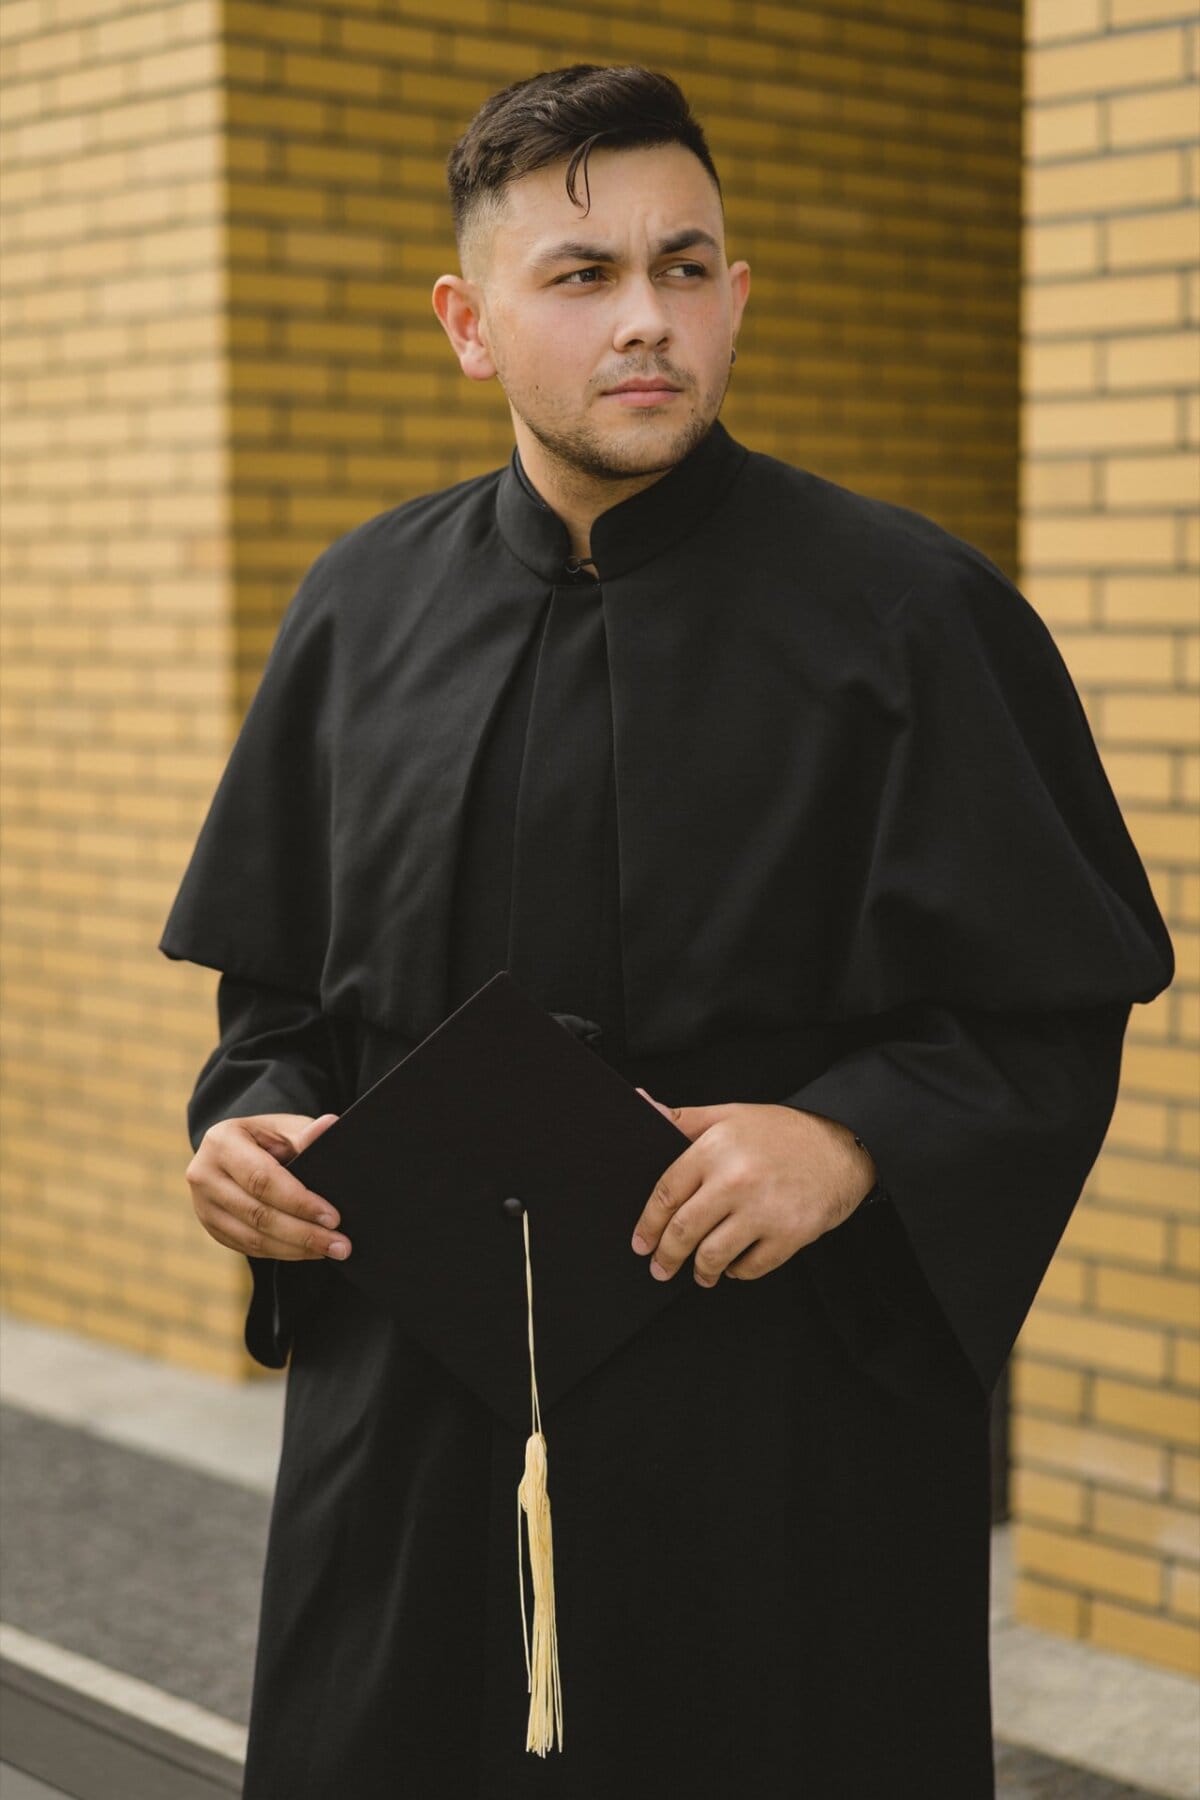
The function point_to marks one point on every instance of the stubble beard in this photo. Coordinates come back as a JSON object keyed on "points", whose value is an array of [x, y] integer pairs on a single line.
{"points": [[581, 452]]}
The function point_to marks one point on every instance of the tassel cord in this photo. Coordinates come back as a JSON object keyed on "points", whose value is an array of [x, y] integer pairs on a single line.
{"points": [[533, 1499]]}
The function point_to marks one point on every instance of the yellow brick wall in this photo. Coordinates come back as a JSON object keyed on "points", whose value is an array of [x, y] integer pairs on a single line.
{"points": [[1107, 1379], [872, 176], [117, 697], [221, 226]]}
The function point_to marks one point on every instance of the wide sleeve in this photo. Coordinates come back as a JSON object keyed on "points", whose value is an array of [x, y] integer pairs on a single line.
{"points": [[277, 1052], [998, 870], [1008, 903], [255, 898], [983, 1127]]}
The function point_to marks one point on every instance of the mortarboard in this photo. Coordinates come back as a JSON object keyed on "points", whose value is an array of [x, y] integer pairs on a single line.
{"points": [[503, 1117]]}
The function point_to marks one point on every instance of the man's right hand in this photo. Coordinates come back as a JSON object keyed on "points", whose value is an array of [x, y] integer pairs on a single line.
{"points": [[246, 1199]]}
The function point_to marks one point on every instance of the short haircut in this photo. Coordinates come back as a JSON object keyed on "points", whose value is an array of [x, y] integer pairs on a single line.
{"points": [[566, 113]]}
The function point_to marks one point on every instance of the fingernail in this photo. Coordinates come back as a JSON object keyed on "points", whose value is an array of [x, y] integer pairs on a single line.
{"points": [[640, 1244], [329, 1219], [339, 1248], [658, 1272]]}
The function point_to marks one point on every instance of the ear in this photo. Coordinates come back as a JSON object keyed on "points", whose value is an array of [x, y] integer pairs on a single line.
{"points": [[457, 303], [739, 289]]}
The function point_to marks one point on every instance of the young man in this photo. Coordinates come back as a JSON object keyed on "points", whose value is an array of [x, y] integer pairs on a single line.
{"points": [[785, 790]]}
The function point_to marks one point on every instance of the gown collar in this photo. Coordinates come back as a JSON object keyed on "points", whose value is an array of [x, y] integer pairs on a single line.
{"points": [[635, 530]]}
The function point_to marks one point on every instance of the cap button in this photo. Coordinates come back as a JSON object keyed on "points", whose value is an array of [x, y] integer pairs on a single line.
{"points": [[512, 1208]]}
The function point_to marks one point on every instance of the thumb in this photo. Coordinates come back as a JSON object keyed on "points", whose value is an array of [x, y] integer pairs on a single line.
{"points": [[287, 1145], [313, 1130], [691, 1120]]}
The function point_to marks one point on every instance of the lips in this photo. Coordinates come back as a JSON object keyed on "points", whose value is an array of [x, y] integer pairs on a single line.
{"points": [[644, 387], [643, 395]]}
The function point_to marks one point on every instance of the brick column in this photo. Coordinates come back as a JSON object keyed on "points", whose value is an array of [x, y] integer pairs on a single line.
{"points": [[1107, 1380], [118, 702]]}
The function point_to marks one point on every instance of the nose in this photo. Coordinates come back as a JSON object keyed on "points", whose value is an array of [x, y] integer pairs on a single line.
{"points": [[642, 317]]}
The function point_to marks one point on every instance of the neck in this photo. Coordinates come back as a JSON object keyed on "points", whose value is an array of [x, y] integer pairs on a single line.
{"points": [[577, 497]]}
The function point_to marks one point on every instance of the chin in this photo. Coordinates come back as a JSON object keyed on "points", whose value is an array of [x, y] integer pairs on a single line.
{"points": [[643, 443], [650, 441], [641, 432]]}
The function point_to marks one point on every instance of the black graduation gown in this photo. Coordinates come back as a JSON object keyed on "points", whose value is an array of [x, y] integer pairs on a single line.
{"points": [[776, 865]]}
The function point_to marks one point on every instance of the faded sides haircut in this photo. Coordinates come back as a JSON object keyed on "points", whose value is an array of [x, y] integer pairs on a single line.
{"points": [[564, 113]]}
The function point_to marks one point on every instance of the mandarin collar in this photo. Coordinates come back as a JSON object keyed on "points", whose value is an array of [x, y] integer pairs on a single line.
{"points": [[635, 530]]}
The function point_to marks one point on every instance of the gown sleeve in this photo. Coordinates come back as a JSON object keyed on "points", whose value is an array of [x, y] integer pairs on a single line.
{"points": [[1008, 904], [1007, 899], [277, 1052], [983, 1127], [998, 870], [255, 898]]}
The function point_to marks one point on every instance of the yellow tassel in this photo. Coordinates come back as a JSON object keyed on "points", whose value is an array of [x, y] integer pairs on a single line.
{"points": [[533, 1499]]}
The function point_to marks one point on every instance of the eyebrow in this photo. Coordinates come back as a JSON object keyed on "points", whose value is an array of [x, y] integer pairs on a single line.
{"points": [[572, 250]]}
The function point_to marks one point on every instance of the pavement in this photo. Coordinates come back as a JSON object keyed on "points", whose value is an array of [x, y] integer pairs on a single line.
{"points": [[135, 1501], [16, 1786]]}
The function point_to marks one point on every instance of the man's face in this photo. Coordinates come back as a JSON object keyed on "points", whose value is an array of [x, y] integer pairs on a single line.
{"points": [[572, 306]]}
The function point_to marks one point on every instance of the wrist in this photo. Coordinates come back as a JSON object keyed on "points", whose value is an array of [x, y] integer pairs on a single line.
{"points": [[861, 1181], [866, 1160], [871, 1188]]}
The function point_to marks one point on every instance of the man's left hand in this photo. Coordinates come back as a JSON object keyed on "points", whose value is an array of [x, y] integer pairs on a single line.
{"points": [[757, 1183]]}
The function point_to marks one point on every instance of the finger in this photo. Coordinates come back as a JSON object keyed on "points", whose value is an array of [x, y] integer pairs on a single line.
{"points": [[311, 1245], [230, 1229], [227, 1229], [308, 1134], [758, 1259], [285, 1146], [684, 1230], [267, 1225], [676, 1185], [282, 1140], [668, 1112], [258, 1173], [264, 1231], [722, 1246], [691, 1120]]}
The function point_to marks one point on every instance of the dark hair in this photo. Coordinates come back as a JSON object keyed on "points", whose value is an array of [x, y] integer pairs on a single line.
{"points": [[566, 112]]}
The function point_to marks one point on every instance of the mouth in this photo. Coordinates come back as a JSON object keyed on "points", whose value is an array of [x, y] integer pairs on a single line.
{"points": [[642, 393]]}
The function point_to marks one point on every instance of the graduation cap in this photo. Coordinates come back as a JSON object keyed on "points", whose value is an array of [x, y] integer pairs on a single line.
{"points": [[503, 1144]]}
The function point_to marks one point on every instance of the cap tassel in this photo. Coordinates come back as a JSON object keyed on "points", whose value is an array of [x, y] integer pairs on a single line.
{"points": [[533, 1499]]}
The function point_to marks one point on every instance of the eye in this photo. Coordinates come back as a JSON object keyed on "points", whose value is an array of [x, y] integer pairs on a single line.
{"points": [[570, 279], [687, 268]]}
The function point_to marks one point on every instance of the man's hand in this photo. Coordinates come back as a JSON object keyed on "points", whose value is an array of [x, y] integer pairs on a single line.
{"points": [[756, 1184], [248, 1202]]}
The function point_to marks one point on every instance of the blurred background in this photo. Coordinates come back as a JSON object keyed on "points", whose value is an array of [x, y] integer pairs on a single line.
{"points": [[973, 229]]}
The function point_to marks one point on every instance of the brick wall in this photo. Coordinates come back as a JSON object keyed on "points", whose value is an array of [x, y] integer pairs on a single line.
{"points": [[117, 697], [1107, 1381], [873, 180], [222, 224]]}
